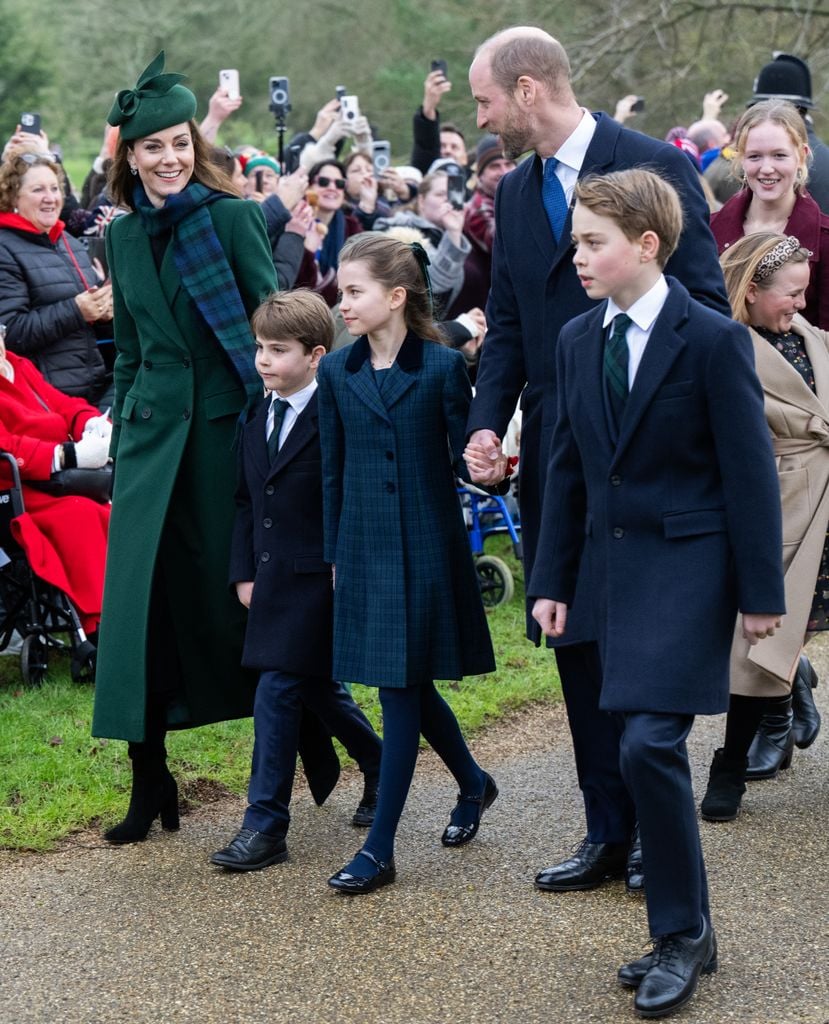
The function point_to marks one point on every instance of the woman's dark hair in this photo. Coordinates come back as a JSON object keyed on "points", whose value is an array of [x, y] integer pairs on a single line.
{"points": [[393, 264], [121, 178], [318, 166]]}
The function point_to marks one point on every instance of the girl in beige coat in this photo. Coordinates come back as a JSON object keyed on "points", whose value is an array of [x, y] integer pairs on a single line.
{"points": [[766, 275]]}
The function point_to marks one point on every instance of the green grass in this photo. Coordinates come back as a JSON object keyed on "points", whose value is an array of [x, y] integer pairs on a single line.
{"points": [[55, 778]]}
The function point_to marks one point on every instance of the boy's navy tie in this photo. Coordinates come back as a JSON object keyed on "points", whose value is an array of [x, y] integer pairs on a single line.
{"points": [[616, 355], [280, 407], [553, 197]]}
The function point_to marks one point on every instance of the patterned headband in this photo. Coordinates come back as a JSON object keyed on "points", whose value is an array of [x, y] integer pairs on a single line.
{"points": [[776, 257]]}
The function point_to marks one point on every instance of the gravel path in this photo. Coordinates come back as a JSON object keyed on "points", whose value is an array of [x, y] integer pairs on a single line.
{"points": [[150, 934]]}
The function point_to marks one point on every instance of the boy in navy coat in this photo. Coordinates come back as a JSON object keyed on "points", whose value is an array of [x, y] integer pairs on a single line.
{"points": [[662, 477], [277, 568]]}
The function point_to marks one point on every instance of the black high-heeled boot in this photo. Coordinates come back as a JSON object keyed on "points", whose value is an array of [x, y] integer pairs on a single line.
{"points": [[154, 793], [806, 723], [771, 749]]}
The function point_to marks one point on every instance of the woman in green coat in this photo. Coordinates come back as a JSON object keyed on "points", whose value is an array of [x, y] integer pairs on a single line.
{"points": [[189, 264]]}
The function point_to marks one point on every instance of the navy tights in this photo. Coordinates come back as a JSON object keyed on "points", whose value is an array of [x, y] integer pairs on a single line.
{"points": [[406, 714]]}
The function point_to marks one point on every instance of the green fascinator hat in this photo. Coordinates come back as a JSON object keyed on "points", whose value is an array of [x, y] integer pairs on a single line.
{"points": [[157, 102]]}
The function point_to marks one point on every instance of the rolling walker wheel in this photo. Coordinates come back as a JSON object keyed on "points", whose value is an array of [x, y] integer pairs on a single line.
{"points": [[33, 660], [495, 580]]}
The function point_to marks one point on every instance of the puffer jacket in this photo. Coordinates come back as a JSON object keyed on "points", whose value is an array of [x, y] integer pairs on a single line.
{"points": [[38, 285]]}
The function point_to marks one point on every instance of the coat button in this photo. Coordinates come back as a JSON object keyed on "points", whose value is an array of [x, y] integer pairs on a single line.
{"points": [[615, 480], [618, 532], [186, 414], [146, 413], [390, 456], [264, 557], [148, 364], [269, 489], [267, 523], [186, 364], [390, 487]]}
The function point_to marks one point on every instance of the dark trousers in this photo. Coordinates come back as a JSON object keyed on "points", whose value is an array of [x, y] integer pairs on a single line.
{"points": [[281, 700], [596, 735], [654, 761]]}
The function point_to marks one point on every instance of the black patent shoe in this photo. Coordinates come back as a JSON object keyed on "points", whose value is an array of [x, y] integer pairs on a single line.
{"points": [[771, 749], [590, 865], [634, 872], [806, 723], [631, 975], [251, 851], [672, 978], [354, 885], [458, 835], [366, 809]]}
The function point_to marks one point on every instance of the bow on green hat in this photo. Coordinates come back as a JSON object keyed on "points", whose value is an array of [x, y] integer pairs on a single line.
{"points": [[158, 101]]}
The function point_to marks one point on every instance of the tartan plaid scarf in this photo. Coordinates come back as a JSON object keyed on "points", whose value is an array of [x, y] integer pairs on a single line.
{"points": [[205, 273]]}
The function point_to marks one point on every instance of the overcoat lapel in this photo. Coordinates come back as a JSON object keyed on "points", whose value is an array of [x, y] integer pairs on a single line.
{"points": [[536, 215], [301, 433], [153, 296], [782, 381], [661, 352], [399, 379]]}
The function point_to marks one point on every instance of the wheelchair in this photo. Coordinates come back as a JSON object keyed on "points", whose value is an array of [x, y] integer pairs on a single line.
{"points": [[487, 514], [37, 611]]}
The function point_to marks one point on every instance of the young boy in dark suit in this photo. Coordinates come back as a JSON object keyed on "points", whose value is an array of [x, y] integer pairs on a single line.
{"points": [[662, 478], [277, 568]]}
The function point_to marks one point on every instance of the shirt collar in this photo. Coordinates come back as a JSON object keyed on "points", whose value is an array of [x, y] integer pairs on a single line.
{"points": [[645, 310], [573, 150], [299, 399]]}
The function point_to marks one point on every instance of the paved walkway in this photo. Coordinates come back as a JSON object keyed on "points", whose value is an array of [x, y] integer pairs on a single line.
{"points": [[151, 934]]}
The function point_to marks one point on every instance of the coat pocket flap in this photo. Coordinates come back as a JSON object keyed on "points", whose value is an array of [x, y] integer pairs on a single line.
{"points": [[689, 524], [226, 403], [311, 563], [128, 407]]}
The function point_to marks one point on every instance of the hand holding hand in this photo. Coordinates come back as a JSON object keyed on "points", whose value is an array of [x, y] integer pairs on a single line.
{"points": [[484, 458]]}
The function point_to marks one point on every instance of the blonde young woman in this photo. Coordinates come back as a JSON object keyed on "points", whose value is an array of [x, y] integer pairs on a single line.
{"points": [[767, 276]]}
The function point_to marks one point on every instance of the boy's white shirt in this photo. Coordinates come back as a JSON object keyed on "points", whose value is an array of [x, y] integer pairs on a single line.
{"points": [[643, 313], [296, 403]]}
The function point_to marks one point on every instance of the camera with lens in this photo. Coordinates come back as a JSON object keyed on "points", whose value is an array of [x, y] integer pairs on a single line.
{"points": [[280, 93]]}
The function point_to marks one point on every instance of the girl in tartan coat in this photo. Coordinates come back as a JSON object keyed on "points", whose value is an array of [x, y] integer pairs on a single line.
{"points": [[407, 609]]}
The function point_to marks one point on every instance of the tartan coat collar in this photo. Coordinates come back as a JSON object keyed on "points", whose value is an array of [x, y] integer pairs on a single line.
{"points": [[401, 375]]}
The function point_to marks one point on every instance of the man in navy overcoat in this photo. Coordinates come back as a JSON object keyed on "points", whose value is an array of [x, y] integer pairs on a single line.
{"points": [[520, 80]]}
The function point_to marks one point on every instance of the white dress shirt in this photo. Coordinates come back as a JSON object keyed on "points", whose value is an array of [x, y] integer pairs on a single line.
{"points": [[643, 313], [571, 154], [296, 403]]}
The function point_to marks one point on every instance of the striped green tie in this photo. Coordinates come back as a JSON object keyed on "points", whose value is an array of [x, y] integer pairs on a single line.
{"points": [[616, 366]]}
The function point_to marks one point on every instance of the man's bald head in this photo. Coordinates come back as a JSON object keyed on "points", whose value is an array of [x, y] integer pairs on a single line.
{"points": [[525, 50]]}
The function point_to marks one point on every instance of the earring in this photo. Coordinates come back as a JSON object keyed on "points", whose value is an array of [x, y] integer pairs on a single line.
{"points": [[15, 209], [133, 171], [798, 177]]}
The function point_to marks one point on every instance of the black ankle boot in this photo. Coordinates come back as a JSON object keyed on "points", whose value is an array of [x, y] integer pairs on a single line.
{"points": [[806, 724], [154, 793], [771, 748], [726, 786]]}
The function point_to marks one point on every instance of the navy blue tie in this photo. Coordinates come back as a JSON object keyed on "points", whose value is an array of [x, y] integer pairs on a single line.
{"points": [[553, 197]]}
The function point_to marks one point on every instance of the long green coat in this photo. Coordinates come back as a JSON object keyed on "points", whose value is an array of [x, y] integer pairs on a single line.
{"points": [[177, 400]]}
